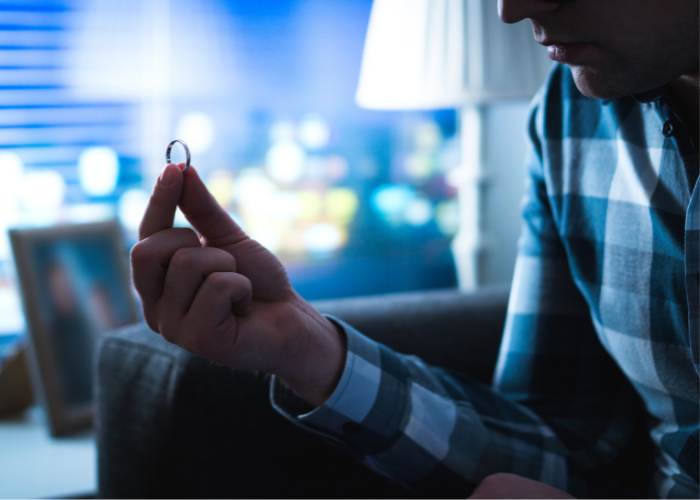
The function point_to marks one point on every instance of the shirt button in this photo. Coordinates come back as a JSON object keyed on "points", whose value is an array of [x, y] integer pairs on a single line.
{"points": [[668, 129], [351, 427]]}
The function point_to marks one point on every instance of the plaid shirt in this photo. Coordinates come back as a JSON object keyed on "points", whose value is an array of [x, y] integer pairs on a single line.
{"points": [[598, 370]]}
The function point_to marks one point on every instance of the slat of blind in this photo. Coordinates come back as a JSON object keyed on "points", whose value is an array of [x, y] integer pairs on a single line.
{"points": [[41, 119]]}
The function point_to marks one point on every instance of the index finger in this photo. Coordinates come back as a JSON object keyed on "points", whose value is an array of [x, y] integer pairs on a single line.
{"points": [[205, 214], [160, 212]]}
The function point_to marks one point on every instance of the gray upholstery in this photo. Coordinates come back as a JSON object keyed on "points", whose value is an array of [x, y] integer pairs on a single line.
{"points": [[171, 424]]}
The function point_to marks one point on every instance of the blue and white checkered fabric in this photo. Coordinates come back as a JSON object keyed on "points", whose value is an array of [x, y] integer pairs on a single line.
{"points": [[598, 370]]}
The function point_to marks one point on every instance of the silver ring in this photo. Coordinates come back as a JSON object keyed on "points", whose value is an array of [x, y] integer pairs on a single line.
{"points": [[187, 153]]}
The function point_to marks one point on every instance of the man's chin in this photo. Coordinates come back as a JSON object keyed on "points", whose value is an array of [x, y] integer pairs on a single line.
{"points": [[599, 84]]}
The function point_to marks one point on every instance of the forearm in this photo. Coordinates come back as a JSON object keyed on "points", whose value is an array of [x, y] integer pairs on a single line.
{"points": [[428, 430]]}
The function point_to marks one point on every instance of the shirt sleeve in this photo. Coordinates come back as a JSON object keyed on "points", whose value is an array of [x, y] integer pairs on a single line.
{"points": [[559, 412]]}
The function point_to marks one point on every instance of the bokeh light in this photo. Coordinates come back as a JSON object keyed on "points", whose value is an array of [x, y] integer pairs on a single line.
{"points": [[98, 171], [322, 239], [392, 200], [419, 212], [197, 130], [267, 237], [81, 213], [314, 132], [42, 190], [131, 207], [12, 169], [286, 162], [311, 204], [427, 136], [286, 205], [341, 204], [447, 217], [253, 189], [220, 185], [420, 165]]}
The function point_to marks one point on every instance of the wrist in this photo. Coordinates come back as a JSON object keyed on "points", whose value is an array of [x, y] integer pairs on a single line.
{"points": [[315, 356]]}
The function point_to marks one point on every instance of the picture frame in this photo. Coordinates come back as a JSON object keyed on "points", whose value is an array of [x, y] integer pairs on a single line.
{"points": [[75, 286]]}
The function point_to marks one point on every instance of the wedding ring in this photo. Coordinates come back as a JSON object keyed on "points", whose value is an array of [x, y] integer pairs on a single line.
{"points": [[187, 154]]}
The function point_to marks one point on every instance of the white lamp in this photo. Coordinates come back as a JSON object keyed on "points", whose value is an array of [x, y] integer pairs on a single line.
{"points": [[432, 54]]}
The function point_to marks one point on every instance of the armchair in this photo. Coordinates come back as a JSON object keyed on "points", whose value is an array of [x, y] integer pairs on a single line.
{"points": [[171, 424]]}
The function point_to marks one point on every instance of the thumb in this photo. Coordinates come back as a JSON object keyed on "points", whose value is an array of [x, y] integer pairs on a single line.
{"points": [[217, 229], [160, 211], [206, 215]]}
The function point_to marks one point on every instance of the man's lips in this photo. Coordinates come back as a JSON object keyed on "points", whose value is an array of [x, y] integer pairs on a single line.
{"points": [[566, 52]]}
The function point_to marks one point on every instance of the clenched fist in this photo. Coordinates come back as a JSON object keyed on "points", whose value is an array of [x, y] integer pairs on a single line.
{"points": [[222, 295]]}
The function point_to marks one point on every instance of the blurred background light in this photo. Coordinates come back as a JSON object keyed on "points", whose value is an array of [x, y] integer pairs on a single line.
{"points": [[447, 217], [286, 205], [220, 185], [311, 204], [42, 190], [131, 207], [253, 189], [98, 170], [342, 204], [427, 135], [286, 162], [267, 237], [197, 130], [419, 212], [420, 166], [314, 132], [88, 212], [322, 239], [12, 168], [391, 201]]}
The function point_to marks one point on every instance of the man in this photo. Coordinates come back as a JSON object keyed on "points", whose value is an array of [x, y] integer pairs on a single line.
{"points": [[601, 339]]}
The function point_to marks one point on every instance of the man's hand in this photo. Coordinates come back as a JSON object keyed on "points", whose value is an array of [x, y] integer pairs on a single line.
{"points": [[505, 485], [224, 296]]}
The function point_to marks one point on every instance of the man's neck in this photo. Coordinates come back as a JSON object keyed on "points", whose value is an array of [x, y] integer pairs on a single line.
{"points": [[686, 93]]}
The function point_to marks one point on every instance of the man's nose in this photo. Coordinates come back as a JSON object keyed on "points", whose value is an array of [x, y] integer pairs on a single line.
{"points": [[513, 11]]}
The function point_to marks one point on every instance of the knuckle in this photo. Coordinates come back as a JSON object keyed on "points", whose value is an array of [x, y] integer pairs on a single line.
{"points": [[189, 343], [142, 253], [184, 259], [227, 259], [218, 282]]}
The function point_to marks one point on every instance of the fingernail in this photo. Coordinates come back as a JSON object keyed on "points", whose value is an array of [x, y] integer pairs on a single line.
{"points": [[166, 178]]}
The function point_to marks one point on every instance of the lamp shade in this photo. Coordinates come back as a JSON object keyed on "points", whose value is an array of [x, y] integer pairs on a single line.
{"points": [[431, 54]]}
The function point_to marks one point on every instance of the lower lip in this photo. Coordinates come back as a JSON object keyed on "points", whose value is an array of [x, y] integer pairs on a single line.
{"points": [[567, 52]]}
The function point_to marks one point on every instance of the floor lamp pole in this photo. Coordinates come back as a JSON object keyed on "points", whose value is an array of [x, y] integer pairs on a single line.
{"points": [[468, 244]]}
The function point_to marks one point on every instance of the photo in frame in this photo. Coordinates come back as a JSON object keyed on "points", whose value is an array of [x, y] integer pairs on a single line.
{"points": [[75, 286]]}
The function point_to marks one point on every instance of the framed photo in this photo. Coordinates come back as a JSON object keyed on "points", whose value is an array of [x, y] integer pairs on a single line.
{"points": [[75, 286]]}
